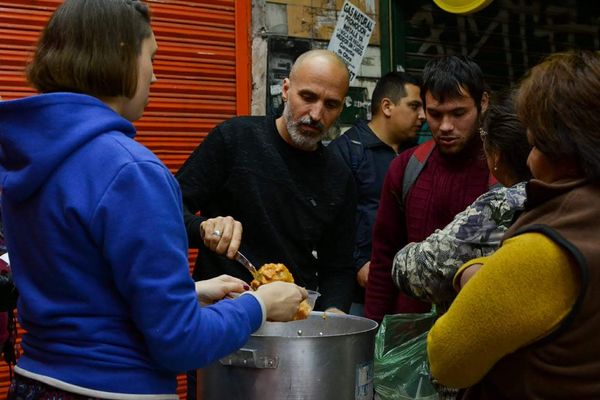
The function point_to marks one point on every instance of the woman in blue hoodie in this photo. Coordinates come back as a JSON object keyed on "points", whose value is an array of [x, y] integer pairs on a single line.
{"points": [[95, 226]]}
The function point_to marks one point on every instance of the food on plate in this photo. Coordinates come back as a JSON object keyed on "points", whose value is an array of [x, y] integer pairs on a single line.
{"points": [[279, 272]]}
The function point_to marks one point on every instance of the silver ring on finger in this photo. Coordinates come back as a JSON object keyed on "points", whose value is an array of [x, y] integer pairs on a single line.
{"points": [[216, 233]]}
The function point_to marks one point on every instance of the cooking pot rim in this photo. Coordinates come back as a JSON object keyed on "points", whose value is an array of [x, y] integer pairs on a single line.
{"points": [[370, 325]]}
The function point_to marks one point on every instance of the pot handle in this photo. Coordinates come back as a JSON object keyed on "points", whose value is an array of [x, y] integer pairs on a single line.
{"points": [[249, 358]]}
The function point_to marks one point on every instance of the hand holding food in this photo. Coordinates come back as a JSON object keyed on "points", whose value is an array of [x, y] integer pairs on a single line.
{"points": [[211, 290], [279, 273], [281, 299]]}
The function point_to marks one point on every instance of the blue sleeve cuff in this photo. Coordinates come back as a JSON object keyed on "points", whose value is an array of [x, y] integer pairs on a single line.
{"points": [[255, 320]]}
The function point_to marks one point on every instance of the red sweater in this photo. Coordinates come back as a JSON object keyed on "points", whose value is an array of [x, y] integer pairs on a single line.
{"points": [[445, 187]]}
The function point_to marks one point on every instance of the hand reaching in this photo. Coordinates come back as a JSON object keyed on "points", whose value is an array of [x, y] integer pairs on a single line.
{"points": [[211, 290], [362, 276]]}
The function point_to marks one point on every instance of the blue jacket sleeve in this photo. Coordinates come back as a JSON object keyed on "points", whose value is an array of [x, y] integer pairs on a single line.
{"points": [[139, 225]]}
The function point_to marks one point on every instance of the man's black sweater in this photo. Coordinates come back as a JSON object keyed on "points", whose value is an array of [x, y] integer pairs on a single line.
{"points": [[296, 207]]}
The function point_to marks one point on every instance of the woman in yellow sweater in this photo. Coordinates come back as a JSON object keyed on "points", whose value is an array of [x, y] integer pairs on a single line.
{"points": [[525, 325]]}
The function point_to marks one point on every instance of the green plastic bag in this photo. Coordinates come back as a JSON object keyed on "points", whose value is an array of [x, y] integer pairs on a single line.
{"points": [[401, 369]]}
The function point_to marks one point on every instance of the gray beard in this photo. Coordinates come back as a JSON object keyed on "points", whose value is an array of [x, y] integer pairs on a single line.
{"points": [[299, 139]]}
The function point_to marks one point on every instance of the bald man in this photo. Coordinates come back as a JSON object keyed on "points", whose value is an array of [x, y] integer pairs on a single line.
{"points": [[268, 187]]}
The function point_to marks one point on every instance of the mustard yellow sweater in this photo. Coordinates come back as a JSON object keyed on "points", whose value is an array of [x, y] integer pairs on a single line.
{"points": [[521, 294]]}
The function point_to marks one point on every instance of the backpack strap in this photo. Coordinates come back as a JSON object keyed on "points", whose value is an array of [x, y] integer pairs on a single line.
{"points": [[417, 162], [415, 165]]}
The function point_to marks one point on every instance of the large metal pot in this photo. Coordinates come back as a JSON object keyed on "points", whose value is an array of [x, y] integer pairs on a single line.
{"points": [[327, 356]]}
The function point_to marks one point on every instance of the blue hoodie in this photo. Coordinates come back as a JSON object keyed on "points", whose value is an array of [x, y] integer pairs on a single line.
{"points": [[94, 227]]}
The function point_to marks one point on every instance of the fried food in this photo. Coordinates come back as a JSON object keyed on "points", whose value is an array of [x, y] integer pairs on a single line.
{"points": [[278, 272], [303, 311], [271, 273]]}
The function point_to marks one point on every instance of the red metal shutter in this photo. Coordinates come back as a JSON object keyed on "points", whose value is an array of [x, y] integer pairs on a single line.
{"points": [[202, 67]]}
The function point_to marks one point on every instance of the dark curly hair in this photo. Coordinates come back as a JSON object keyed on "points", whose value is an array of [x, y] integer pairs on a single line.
{"points": [[448, 76]]}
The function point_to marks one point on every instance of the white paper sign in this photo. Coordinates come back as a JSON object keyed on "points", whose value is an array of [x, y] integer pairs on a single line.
{"points": [[351, 36]]}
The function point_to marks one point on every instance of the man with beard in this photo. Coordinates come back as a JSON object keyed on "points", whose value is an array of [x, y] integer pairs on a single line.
{"points": [[273, 179], [447, 177]]}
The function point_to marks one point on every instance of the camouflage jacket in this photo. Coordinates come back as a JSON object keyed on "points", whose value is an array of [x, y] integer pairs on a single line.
{"points": [[425, 270]]}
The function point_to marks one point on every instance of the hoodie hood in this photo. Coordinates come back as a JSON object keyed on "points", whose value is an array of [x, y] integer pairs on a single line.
{"points": [[38, 133]]}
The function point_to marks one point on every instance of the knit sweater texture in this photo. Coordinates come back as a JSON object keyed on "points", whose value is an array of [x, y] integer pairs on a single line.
{"points": [[445, 187], [296, 207]]}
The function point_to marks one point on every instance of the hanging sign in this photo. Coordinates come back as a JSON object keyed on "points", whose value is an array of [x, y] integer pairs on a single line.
{"points": [[351, 36]]}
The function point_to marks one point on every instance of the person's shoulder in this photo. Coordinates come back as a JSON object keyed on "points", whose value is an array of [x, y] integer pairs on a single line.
{"points": [[244, 122], [353, 133], [516, 195], [239, 129], [501, 203], [513, 195], [131, 150], [402, 159], [342, 143]]}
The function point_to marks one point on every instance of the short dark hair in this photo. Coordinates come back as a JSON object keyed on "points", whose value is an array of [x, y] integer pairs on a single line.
{"points": [[91, 47], [505, 134], [559, 102], [391, 85], [447, 77]]}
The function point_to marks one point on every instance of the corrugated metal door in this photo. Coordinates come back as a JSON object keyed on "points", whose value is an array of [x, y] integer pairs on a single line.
{"points": [[202, 66]]}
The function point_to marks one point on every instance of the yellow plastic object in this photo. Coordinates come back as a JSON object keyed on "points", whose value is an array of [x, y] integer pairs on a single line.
{"points": [[462, 6]]}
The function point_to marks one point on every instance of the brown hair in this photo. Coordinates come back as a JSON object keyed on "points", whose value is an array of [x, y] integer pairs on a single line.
{"points": [[503, 132], [91, 47], [558, 102]]}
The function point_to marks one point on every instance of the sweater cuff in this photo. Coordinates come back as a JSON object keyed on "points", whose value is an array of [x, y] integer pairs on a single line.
{"points": [[458, 274], [263, 308]]}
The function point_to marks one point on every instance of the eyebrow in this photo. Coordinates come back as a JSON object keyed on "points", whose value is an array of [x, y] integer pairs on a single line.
{"points": [[309, 92], [429, 108], [306, 91]]}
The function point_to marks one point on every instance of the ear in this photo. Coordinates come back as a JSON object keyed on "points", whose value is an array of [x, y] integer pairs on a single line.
{"points": [[485, 101], [386, 106], [285, 87]]}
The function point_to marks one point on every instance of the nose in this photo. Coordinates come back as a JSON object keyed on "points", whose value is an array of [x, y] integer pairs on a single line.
{"points": [[447, 125], [421, 114], [316, 112]]}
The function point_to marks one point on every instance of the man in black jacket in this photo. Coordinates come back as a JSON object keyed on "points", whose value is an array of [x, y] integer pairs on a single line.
{"points": [[274, 179]]}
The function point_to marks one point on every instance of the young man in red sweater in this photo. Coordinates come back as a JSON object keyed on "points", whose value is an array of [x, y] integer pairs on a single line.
{"points": [[451, 174]]}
